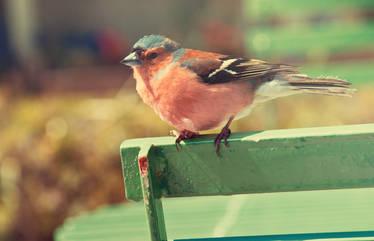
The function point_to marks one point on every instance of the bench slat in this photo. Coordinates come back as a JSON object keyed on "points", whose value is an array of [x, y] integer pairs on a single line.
{"points": [[338, 236], [257, 162]]}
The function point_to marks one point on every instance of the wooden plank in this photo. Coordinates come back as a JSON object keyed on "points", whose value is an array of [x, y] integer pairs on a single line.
{"points": [[256, 214], [257, 162], [151, 196], [338, 236]]}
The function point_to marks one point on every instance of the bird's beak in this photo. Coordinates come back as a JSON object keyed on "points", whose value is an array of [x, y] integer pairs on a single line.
{"points": [[131, 60]]}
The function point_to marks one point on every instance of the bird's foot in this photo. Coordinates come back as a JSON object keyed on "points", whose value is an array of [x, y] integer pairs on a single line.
{"points": [[224, 134], [183, 135]]}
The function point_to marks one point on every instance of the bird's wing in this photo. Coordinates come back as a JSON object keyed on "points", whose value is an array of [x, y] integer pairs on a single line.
{"points": [[226, 69]]}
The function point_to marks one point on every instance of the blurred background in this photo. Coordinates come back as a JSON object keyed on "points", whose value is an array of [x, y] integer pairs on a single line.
{"points": [[66, 103]]}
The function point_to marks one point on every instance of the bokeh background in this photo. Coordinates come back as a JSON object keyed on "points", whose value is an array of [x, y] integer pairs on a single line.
{"points": [[66, 103]]}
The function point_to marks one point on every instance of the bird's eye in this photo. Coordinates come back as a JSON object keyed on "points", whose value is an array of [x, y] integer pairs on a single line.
{"points": [[152, 55]]}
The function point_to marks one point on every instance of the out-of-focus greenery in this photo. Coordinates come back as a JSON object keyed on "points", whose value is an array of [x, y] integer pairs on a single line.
{"points": [[358, 72], [306, 39], [60, 153], [309, 31], [262, 9]]}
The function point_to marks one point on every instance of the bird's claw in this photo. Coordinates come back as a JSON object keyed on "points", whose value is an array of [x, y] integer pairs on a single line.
{"points": [[224, 134], [183, 135]]}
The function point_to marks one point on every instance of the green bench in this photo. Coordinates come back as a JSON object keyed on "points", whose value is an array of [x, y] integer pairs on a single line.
{"points": [[287, 176], [259, 162]]}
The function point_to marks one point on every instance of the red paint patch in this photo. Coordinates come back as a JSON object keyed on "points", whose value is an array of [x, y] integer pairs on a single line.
{"points": [[143, 165]]}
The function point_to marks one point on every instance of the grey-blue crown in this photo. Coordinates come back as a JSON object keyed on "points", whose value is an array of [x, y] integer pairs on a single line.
{"points": [[156, 41]]}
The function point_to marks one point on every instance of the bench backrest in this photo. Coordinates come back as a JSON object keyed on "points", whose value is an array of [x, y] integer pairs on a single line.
{"points": [[257, 162]]}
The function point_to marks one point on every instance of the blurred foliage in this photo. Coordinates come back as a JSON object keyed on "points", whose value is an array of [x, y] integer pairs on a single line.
{"points": [[291, 9], [311, 39], [357, 72], [60, 154], [319, 31]]}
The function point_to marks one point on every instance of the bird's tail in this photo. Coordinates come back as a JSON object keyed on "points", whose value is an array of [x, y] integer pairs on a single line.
{"points": [[301, 83]]}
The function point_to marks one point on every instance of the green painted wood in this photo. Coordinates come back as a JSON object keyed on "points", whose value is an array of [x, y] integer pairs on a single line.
{"points": [[343, 236], [129, 157], [151, 195], [257, 162], [253, 214]]}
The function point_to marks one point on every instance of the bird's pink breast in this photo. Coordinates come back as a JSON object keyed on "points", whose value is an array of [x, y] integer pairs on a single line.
{"points": [[182, 100]]}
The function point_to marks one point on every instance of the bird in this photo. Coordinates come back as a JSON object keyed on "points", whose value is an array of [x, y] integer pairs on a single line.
{"points": [[194, 90]]}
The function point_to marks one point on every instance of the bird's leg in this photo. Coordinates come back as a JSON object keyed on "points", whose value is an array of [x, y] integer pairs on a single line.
{"points": [[224, 134], [183, 135]]}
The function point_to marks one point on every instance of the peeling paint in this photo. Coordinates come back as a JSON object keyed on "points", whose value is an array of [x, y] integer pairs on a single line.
{"points": [[143, 165], [148, 194]]}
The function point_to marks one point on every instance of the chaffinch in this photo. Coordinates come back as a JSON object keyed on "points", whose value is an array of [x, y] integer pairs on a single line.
{"points": [[194, 90]]}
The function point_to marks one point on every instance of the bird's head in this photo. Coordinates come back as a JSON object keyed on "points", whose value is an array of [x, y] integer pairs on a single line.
{"points": [[149, 50]]}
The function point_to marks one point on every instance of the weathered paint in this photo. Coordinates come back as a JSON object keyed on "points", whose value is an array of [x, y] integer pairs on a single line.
{"points": [[150, 191], [143, 165], [265, 161]]}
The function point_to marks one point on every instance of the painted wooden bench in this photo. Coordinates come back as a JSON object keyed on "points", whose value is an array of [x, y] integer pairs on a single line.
{"points": [[297, 184], [258, 162]]}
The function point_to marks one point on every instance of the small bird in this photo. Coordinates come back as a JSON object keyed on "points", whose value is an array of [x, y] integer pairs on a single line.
{"points": [[194, 90]]}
